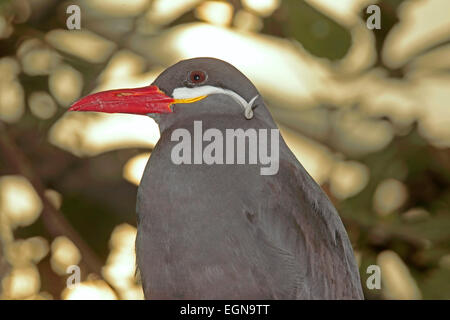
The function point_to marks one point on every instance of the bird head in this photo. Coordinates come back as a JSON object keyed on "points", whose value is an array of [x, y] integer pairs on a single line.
{"points": [[186, 83]]}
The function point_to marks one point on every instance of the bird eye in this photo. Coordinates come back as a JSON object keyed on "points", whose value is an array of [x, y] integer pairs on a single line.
{"points": [[197, 77]]}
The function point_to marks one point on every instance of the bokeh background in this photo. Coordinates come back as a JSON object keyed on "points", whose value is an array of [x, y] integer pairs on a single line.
{"points": [[367, 112]]}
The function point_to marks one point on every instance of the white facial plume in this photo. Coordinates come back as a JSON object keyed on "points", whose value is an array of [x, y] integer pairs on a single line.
{"points": [[189, 93]]}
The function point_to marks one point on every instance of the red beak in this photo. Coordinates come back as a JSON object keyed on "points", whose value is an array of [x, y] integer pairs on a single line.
{"points": [[144, 100]]}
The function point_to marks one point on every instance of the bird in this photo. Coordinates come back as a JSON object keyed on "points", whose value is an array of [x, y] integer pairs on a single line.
{"points": [[225, 228]]}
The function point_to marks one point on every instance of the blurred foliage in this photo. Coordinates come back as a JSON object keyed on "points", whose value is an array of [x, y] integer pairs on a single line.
{"points": [[384, 163], [319, 34]]}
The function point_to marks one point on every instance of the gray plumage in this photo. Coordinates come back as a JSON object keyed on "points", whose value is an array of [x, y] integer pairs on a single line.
{"points": [[225, 231]]}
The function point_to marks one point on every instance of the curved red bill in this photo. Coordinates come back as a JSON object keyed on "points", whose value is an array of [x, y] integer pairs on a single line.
{"points": [[143, 100]]}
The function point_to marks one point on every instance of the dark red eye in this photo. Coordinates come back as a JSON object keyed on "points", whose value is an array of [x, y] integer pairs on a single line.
{"points": [[197, 76]]}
